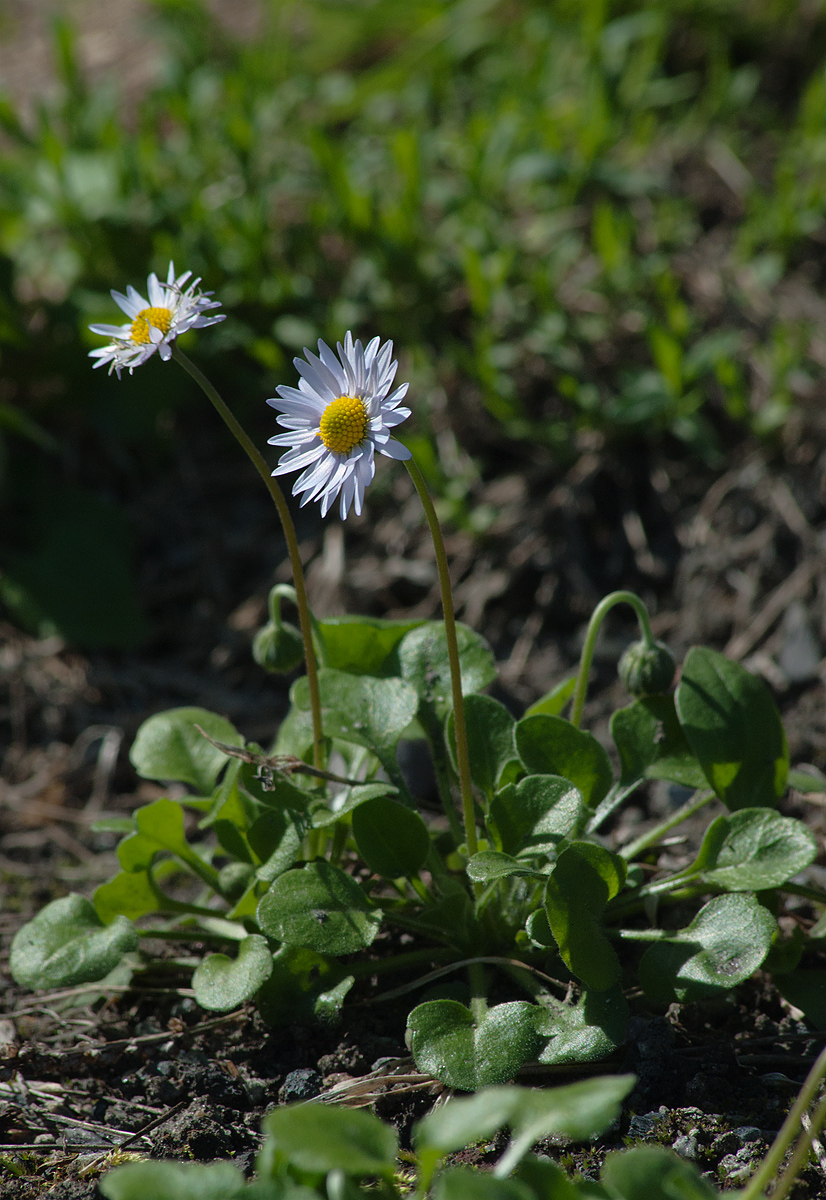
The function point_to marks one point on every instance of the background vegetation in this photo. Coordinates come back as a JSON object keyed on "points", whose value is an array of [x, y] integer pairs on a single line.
{"points": [[569, 214]]}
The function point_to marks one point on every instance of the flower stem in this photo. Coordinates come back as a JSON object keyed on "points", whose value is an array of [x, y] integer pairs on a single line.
{"points": [[259, 462], [588, 648], [699, 800], [462, 756]]}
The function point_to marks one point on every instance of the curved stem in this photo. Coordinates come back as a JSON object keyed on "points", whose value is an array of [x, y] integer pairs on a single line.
{"points": [[588, 648], [259, 462], [462, 756]]}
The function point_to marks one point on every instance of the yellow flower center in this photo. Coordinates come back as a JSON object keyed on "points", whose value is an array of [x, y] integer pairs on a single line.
{"points": [[343, 424], [158, 318]]}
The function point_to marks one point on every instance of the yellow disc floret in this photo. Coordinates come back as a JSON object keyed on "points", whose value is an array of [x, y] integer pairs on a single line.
{"points": [[343, 424], [157, 318]]}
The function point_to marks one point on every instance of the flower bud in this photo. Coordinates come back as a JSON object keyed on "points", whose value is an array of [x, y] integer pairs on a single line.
{"points": [[278, 648], [647, 670]]}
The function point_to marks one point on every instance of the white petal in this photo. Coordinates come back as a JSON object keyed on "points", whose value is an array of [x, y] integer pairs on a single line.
{"points": [[131, 304], [395, 416], [396, 450], [314, 382], [157, 297], [333, 366], [299, 457], [136, 298], [294, 438], [165, 351], [115, 331]]}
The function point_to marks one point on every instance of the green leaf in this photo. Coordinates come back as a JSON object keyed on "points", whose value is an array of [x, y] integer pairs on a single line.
{"points": [[534, 815], [550, 746], [447, 1042], [322, 814], [463, 1183], [129, 894], [490, 741], [463, 1121], [488, 865], [321, 908], [324, 1137], [173, 1181], [169, 747], [424, 663], [161, 827], [806, 990], [656, 1174], [554, 701], [304, 988], [577, 1111], [803, 781], [364, 645], [724, 944], [545, 1179], [754, 849], [733, 726], [67, 944], [358, 708], [584, 878], [391, 838], [589, 1030], [221, 983], [652, 745]]}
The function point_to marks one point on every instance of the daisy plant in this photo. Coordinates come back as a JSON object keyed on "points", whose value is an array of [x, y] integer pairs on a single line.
{"points": [[298, 863], [340, 414], [155, 325]]}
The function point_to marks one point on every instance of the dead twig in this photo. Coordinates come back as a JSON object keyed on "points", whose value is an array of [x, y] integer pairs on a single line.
{"points": [[286, 764]]}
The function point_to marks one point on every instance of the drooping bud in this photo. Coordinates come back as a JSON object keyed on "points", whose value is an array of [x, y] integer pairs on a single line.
{"points": [[278, 646], [647, 670]]}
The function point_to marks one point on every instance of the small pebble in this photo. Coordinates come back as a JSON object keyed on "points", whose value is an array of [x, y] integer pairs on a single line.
{"points": [[302, 1084]]}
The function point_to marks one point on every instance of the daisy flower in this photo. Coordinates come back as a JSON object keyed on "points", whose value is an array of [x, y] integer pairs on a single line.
{"points": [[340, 414], [154, 323]]}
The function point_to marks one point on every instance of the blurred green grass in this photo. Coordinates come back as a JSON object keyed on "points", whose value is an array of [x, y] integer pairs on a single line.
{"points": [[569, 214]]}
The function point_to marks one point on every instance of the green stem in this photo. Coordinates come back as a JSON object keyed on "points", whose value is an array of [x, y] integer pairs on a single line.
{"points": [[685, 811], [460, 730], [586, 658], [442, 772], [791, 1127], [188, 935], [341, 831], [807, 892], [167, 904], [478, 991], [399, 962], [801, 1153], [259, 462]]}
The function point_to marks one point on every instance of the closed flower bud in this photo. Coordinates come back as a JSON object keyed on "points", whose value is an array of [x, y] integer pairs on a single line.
{"points": [[278, 648], [647, 670]]}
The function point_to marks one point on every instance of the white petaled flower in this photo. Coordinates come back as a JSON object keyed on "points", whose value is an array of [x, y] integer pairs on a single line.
{"points": [[154, 323], [340, 414]]}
